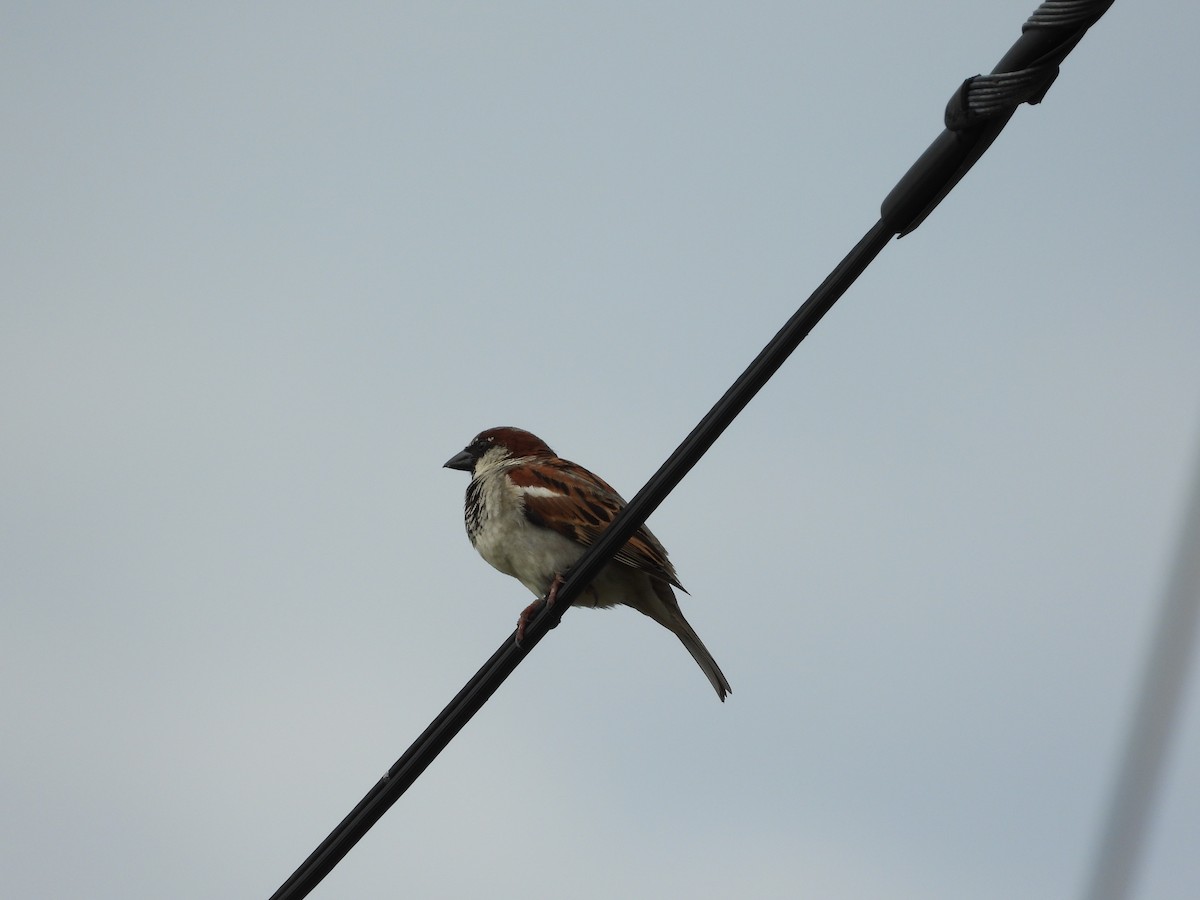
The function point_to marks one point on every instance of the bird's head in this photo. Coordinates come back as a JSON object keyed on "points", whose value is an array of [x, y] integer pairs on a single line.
{"points": [[498, 445]]}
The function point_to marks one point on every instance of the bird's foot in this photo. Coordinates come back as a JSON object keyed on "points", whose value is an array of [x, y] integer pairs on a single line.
{"points": [[552, 594], [526, 616], [536, 606]]}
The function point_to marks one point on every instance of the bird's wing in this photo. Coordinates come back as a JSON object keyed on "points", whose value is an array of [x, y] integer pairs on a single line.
{"points": [[579, 505]]}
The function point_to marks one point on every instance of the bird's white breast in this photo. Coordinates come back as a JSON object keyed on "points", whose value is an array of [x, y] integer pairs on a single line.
{"points": [[508, 541]]}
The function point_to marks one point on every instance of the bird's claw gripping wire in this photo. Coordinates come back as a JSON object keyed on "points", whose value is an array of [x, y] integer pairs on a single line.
{"points": [[528, 614]]}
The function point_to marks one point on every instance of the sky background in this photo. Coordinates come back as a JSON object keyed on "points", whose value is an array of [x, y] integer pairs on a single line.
{"points": [[266, 267]]}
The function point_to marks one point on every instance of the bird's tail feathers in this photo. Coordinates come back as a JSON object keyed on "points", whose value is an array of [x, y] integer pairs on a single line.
{"points": [[668, 614]]}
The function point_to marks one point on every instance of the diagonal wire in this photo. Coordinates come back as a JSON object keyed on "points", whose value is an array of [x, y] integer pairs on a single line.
{"points": [[1139, 776], [914, 197], [477, 691]]}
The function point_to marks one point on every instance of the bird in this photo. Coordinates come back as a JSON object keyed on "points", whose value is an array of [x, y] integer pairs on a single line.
{"points": [[532, 515]]}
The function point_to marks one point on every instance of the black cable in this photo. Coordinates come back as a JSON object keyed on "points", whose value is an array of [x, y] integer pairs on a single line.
{"points": [[485, 682], [982, 106], [921, 189]]}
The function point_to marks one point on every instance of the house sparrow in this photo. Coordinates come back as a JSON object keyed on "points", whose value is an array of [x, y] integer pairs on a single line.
{"points": [[532, 515]]}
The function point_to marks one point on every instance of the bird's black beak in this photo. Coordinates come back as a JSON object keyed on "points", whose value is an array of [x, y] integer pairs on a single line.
{"points": [[464, 461]]}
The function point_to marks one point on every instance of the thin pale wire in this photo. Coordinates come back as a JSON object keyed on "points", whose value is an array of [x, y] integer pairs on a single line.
{"points": [[1138, 782]]}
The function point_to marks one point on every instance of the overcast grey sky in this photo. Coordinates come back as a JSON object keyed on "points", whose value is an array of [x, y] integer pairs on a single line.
{"points": [[265, 267]]}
